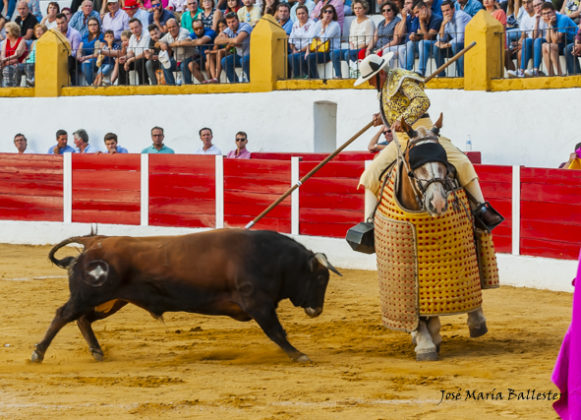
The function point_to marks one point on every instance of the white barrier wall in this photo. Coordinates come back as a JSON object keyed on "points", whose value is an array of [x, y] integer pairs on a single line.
{"points": [[530, 127]]}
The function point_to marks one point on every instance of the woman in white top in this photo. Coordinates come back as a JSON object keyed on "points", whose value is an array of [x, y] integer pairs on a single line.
{"points": [[299, 41], [360, 37], [52, 10], [328, 31]]}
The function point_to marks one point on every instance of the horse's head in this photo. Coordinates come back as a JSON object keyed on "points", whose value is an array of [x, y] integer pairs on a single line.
{"points": [[428, 168]]}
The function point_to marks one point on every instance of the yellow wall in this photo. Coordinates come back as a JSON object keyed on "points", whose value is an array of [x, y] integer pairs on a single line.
{"points": [[51, 69]]}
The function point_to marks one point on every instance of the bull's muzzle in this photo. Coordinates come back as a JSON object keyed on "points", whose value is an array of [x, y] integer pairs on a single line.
{"points": [[313, 312]]}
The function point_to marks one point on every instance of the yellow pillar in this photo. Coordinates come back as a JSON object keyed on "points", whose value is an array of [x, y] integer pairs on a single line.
{"points": [[486, 60], [51, 68], [268, 50]]}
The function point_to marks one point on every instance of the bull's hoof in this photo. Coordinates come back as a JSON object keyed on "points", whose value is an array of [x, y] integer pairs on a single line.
{"points": [[97, 354], [478, 332], [429, 356], [36, 357], [303, 358]]}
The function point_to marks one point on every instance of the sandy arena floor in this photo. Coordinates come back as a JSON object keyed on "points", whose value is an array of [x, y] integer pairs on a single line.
{"points": [[193, 366]]}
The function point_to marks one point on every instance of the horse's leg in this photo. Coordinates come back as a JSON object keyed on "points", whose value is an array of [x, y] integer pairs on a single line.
{"points": [[477, 323], [425, 347], [434, 329]]}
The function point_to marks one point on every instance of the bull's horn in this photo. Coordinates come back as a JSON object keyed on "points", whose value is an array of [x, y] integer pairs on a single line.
{"points": [[322, 258]]}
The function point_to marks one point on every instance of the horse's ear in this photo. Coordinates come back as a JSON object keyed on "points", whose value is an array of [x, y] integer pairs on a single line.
{"points": [[438, 125], [408, 129]]}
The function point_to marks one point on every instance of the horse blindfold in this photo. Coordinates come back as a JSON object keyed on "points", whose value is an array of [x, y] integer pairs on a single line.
{"points": [[425, 153]]}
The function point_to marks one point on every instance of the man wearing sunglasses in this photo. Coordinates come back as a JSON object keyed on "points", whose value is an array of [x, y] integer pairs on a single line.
{"points": [[377, 146], [241, 152], [160, 16], [207, 148]]}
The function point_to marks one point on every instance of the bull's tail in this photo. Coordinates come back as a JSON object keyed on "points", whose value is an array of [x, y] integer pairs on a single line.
{"points": [[67, 261]]}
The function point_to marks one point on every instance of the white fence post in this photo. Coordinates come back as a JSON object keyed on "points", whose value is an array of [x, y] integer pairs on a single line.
{"points": [[144, 213], [219, 191], [67, 187], [515, 210], [295, 208]]}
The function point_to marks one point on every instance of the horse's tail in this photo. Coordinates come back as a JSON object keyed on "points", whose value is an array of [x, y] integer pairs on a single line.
{"points": [[67, 261]]}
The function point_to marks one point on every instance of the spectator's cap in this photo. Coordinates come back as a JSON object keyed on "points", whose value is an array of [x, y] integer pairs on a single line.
{"points": [[371, 65], [112, 1], [130, 5]]}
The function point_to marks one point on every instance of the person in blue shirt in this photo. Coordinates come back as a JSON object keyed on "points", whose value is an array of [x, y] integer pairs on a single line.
{"points": [[201, 39], [560, 32], [424, 29], [283, 17], [111, 144], [81, 139], [451, 36], [61, 144], [468, 6], [157, 145]]}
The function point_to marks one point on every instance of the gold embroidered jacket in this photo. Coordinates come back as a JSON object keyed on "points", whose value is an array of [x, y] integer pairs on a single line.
{"points": [[403, 96]]}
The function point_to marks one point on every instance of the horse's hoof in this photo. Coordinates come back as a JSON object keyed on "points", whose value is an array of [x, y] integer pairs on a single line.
{"points": [[429, 356], [97, 354], [36, 357], [303, 358], [478, 332]]}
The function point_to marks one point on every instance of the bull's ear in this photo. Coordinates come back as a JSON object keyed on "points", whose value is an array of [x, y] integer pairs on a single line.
{"points": [[322, 259]]}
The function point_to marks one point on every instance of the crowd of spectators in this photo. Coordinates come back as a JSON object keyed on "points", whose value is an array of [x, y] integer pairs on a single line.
{"points": [[177, 41], [83, 145]]}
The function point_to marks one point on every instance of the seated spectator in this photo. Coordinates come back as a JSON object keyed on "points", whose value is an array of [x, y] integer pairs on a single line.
{"points": [[237, 40], [135, 58], [210, 16], [377, 146], [282, 15], [207, 148], [574, 161], [120, 54], [116, 19], [424, 30], [232, 6], [192, 13], [403, 30], [572, 53], [34, 6], [12, 55], [88, 50], [111, 144], [147, 4], [299, 41], [131, 7], [470, 7], [81, 140], [20, 143], [201, 39], [241, 152], [177, 7], [61, 145], [560, 32], [214, 57], [326, 37], [160, 16], [249, 14], [106, 58], [80, 19], [451, 36], [74, 38], [30, 61], [571, 9], [152, 65], [310, 4], [525, 43], [492, 7], [157, 146], [52, 10], [174, 42], [360, 38], [385, 37], [316, 14], [25, 20], [67, 12]]}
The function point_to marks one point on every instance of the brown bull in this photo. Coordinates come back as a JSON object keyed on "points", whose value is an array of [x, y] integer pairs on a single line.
{"points": [[239, 273]]}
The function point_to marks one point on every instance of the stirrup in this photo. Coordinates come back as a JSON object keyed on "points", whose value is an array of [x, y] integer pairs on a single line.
{"points": [[486, 217]]}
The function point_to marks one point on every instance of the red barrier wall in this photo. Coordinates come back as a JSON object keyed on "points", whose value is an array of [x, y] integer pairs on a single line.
{"points": [[31, 187], [550, 213], [182, 190], [329, 201], [250, 186], [106, 188]]}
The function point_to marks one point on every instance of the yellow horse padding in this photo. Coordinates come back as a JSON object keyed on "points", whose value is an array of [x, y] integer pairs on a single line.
{"points": [[427, 266]]}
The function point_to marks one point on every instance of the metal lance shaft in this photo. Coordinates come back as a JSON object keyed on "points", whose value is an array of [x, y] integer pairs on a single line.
{"points": [[344, 145]]}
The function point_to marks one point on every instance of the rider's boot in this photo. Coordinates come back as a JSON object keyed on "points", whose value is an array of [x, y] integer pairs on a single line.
{"points": [[485, 216]]}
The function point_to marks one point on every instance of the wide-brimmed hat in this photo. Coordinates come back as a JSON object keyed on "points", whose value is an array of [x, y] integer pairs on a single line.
{"points": [[371, 65]]}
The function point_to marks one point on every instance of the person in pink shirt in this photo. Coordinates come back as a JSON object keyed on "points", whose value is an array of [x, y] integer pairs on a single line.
{"points": [[241, 152]]}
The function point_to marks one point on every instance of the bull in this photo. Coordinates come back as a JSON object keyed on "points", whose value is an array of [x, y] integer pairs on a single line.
{"points": [[239, 273]]}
